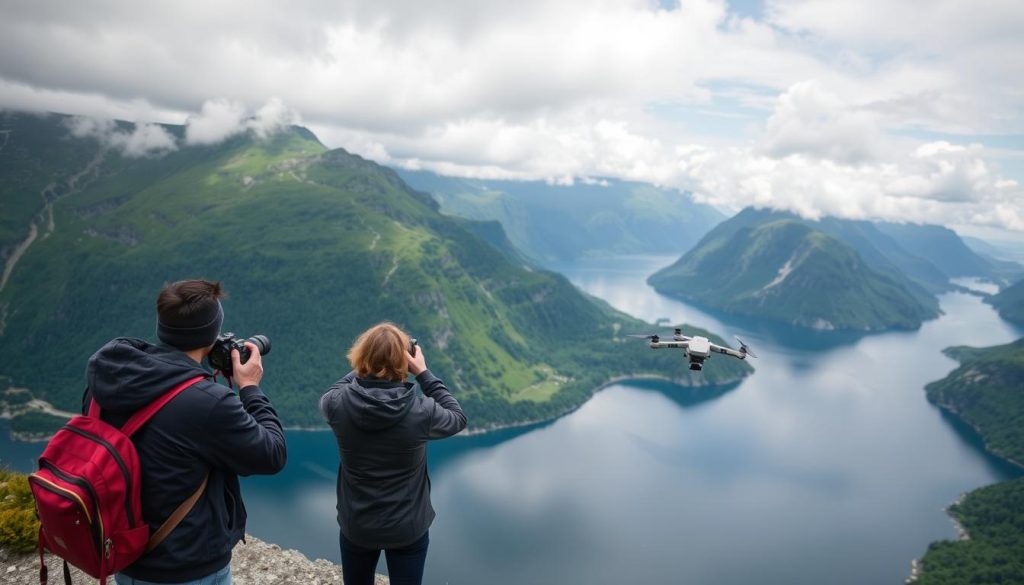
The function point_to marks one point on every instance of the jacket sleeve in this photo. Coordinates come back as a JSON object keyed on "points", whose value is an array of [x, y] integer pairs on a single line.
{"points": [[446, 416], [245, 434]]}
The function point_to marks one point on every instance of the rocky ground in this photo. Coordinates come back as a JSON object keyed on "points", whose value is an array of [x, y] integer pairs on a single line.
{"points": [[254, 563]]}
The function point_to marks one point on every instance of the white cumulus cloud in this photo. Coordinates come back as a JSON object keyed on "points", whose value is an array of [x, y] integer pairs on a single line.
{"points": [[812, 121]]}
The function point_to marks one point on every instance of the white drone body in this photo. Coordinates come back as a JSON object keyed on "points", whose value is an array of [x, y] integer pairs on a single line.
{"points": [[697, 348]]}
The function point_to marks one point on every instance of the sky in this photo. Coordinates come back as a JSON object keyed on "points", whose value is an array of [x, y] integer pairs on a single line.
{"points": [[900, 110]]}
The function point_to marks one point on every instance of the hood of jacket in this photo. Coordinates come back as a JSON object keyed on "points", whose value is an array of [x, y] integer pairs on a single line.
{"points": [[128, 373], [375, 405]]}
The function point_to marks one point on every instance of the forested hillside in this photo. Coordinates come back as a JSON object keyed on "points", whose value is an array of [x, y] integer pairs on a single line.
{"points": [[1010, 303], [313, 246], [986, 391]]}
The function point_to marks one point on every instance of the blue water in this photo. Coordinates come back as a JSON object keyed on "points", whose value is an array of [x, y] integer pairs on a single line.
{"points": [[826, 466]]}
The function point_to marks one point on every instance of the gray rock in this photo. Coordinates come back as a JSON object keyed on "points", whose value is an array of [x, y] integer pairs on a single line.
{"points": [[253, 562]]}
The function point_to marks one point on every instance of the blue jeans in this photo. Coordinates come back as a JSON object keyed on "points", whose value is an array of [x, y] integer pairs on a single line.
{"points": [[221, 577], [405, 565]]}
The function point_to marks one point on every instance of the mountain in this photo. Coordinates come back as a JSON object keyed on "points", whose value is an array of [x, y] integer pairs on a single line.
{"points": [[1010, 302], [775, 266], [943, 248], [313, 245], [987, 392], [558, 223], [995, 249]]}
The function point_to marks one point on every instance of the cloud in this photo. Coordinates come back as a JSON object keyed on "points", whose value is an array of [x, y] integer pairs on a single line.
{"points": [[817, 155], [936, 183], [217, 120], [789, 109], [141, 140], [220, 119], [811, 121]]}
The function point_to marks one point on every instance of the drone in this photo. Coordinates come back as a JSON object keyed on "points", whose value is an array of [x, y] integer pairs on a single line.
{"points": [[697, 348]]}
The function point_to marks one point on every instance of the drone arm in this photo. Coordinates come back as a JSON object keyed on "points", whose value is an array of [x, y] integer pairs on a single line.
{"points": [[728, 351], [670, 344]]}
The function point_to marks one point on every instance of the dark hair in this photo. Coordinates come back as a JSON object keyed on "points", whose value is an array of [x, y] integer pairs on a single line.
{"points": [[189, 314], [184, 298]]}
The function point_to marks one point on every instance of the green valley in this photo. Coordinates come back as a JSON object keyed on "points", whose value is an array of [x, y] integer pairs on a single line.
{"points": [[557, 223], [313, 245]]}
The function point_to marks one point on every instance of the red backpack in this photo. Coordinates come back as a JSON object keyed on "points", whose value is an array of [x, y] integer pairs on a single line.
{"points": [[88, 494]]}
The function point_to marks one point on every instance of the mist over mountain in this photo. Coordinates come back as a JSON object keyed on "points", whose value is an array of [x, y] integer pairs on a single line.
{"points": [[313, 245], [558, 223]]}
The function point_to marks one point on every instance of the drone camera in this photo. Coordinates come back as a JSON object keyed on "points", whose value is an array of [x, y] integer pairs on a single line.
{"points": [[696, 363]]}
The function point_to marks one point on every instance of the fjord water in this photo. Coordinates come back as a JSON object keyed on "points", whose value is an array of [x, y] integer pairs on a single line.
{"points": [[827, 465]]}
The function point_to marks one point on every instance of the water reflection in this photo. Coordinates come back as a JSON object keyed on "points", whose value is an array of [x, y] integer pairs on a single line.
{"points": [[825, 466]]}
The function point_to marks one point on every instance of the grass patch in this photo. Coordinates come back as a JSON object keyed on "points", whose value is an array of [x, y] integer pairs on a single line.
{"points": [[19, 528]]}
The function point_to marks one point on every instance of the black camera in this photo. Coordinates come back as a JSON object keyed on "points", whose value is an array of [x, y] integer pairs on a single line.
{"points": [[696, 363], [220, 355]]}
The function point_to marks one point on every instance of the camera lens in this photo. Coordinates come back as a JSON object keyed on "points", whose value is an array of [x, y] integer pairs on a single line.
{"points": [[262, 342]]}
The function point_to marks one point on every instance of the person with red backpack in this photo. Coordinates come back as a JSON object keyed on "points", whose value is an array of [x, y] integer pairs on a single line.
{"points": [[197, 444]]}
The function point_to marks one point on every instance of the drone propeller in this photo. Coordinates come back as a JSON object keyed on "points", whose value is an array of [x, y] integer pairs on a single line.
{"points": [[744, 348], [652, 336]]}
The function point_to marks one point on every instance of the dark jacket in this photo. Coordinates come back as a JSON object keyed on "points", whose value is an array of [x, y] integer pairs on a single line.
{"points": [[382, 429], [205, 429]]}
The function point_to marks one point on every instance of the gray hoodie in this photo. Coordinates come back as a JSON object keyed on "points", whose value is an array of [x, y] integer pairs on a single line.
{"points": [[382, 428]]}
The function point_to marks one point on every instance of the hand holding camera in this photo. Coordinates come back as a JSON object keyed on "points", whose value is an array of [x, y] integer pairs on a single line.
{"points": [[417, 363], [241, 360], [251, 372]]}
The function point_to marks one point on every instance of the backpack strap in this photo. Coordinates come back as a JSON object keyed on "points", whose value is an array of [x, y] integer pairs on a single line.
{"points": [[143, 415], [133, 424], [176, 517]]}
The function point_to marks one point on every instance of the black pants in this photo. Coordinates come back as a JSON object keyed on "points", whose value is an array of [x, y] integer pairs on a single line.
{"points": [[405, 565]]}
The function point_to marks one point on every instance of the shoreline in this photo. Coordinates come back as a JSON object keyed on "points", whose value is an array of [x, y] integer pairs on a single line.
{"points": [[916, 566], [43, 406], [985, 444]]}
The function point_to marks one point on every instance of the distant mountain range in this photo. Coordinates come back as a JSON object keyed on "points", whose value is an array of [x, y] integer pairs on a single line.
{"points": [[1010, 303], [775, 266], [314, 245], [557, 223], [826, 274]]}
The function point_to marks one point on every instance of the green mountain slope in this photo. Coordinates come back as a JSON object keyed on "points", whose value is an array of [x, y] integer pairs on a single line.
{"points": [[783, 269], [557, 223], [887, 256], [1010, 303], [313, 246], [987, 392]]}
